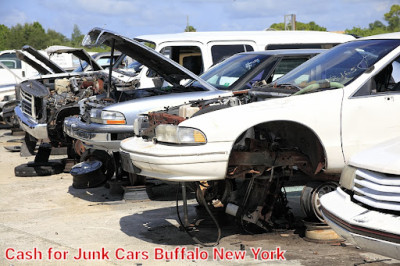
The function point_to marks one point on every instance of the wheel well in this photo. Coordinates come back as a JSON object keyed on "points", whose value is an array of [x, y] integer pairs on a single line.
{"points": [[55, 127], [278, 136]]}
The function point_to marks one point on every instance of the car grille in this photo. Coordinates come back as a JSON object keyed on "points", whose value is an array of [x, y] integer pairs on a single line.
{"points": [[28, 104], [377, 190]]}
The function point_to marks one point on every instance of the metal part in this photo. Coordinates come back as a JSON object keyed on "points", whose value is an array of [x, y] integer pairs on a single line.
{"points": [[185, 208]]}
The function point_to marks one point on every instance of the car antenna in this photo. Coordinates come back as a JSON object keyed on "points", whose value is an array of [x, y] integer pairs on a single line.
{"points": [[110, 68]]}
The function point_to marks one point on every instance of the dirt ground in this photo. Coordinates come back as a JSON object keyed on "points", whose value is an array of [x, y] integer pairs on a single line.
{"points": [[44, 220]]}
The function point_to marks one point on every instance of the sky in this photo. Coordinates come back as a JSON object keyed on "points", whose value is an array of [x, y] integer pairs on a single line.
{"points": [[132, 18]]}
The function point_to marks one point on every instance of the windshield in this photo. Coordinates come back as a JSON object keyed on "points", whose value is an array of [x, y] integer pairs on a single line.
{"points": [[337, 67], [225, 74]]}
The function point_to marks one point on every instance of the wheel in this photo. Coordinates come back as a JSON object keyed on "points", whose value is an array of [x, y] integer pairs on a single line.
{"points": [[136, 179], [39, 169], [310, 198], [108, 167], [321, 190], [87, 174]]}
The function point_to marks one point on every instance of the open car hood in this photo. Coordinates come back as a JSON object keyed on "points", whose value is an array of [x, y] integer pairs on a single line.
{"points": [[40, 57], [33, 63], [78, 52], [171, 71]]}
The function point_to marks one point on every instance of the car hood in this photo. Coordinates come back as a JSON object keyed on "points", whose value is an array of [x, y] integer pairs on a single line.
{"points": [[294, 108], [78, 52], [131, 109], [40, 57], [33, 63], [384, 158], [171, 71]]}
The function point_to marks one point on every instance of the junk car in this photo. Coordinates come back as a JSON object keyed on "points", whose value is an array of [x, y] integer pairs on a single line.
{"points": [[333, 106], [365, 208]]}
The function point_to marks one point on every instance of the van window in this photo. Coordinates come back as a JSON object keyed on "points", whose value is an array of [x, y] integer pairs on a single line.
{"points": [[188, 56], [10, 60], [287, 64], [300, 46], [221, 52]]}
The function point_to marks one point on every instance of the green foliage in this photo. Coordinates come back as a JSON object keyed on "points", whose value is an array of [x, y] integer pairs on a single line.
{"points": [[299, 26], [76, 37], [4, 33], [393, 19], [190, 29], [56, 38], [35, 36]]}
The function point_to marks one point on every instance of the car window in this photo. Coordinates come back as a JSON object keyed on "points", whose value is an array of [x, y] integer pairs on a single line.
{"points": [[220, 52], [285, 65], [10, 60], [229, 71], [188, 56], [339, 66], [386, 81]]}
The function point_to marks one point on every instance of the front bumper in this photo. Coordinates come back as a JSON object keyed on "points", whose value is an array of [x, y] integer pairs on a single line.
{"points": [[96, 136], [371, 230], [30, 126], [177, 163]]}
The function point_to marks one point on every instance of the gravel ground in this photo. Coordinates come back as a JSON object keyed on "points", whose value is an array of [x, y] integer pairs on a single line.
{"points": [[44, 220]]}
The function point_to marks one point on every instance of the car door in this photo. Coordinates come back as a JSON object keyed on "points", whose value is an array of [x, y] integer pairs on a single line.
{"points": [[370, 115]]}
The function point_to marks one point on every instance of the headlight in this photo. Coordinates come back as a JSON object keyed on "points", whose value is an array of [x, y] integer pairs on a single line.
{"points": [[179, 135], [113, 118], [347, 177]]}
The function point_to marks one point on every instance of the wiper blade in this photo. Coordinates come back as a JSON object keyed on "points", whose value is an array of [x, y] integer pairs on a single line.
{"points": [[288, 86], [320, 86]]}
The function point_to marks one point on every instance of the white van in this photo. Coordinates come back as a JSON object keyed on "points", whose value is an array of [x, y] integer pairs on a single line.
{"points": [[198, 51], [12, 71]]}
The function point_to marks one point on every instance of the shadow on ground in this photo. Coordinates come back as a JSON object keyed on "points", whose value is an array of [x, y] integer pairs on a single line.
{"points": [[98, 194], [160, 226]]}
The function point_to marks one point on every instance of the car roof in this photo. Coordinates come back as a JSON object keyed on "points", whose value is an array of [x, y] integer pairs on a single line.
{"points": [[288, 52], [259, 36], [393, 35]]}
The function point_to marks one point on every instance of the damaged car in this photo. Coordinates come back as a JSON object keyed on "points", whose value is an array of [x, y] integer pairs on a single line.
{"points": [[44, 67], [229, 78], [329, 108], [44, 102], [365, 209]]}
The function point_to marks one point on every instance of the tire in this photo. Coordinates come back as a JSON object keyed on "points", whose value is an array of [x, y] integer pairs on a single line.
{"points": [[87, 175], [310, 198], [39, 169], [209, 109], [306, 199], [321, 190], [108, 167], [136, 180]]}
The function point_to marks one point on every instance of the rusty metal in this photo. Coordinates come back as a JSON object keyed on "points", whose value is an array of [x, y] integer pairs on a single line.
{"points": [[240, 92], [157, 118], [79, 148], [267, 158]]}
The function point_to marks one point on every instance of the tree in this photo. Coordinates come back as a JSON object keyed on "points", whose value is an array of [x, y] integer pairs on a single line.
{"points": [[35, 35], [56, 38], [393, 18], [4, 33], [299, 26], [76, 37], [189, 28], [377, 27]]}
